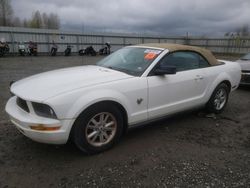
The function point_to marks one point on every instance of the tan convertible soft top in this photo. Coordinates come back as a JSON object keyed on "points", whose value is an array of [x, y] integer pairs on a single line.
{"points": [[179, 47]]}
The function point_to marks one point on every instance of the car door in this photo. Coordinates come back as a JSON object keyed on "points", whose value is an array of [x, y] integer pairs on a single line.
{"points": [[176, 92]]}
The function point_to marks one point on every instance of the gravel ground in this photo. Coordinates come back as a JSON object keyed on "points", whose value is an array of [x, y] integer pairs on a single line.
{"points": [[192, 149]]}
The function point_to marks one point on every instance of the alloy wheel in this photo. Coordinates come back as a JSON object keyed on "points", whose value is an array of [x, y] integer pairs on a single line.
{"points": [[101, 129], [220, 99]]}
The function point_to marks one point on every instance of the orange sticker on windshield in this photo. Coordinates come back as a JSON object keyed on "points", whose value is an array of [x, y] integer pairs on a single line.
{"points": [[150, 56]]}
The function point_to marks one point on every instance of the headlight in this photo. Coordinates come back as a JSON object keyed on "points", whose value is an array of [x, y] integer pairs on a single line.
{"points": [[44, 110]]}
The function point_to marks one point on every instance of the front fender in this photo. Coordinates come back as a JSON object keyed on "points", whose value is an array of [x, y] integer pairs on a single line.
{"points": [[70, 105], [96, 96]]}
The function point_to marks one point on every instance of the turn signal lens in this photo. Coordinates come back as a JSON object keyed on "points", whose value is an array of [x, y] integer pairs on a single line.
{"points": [[40, 127]]}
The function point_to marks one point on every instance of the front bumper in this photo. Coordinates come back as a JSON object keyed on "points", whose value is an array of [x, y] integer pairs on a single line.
{"points": [[245, 78], [23, 120]]}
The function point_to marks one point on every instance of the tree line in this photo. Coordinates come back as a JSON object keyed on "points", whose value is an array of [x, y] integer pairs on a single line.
{"points": [[242, 31], [37, 20]]}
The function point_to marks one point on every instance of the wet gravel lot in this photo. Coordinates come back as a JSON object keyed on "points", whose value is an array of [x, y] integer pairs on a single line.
{"points": [[192, 149]]}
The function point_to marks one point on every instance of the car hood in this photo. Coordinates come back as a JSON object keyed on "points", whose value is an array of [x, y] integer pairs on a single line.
{"points": [[42, 86], [245, 64]]}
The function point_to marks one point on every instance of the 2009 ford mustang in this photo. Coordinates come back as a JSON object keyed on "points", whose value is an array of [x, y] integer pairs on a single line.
{"points": [[94, 105]]}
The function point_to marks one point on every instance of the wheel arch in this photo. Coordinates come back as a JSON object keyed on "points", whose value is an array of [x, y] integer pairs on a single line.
{"points": [[228, 83], [105, 102], [225, 81], [221, 78], [209, 105]]}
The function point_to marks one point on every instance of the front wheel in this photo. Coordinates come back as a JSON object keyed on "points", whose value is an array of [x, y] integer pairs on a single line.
{"points": [[219, 98], [98, 128]]}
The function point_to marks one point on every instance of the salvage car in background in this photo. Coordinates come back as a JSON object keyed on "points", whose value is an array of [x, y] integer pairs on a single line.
{"points": [[94, 105], [245, 69]]}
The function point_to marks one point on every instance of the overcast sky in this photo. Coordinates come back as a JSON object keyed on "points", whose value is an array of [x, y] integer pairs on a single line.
{"points": [[166, 17]]}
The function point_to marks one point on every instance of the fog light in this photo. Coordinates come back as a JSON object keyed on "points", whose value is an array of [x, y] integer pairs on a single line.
{"points": [[41, 127]]}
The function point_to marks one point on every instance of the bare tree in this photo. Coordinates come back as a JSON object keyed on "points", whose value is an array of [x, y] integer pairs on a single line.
{"points": [[16, 22], [243, 31], [6, 13], [36, 21], [25, 23], [227, 34], [50, 21], [53, 21], [45, 20]]}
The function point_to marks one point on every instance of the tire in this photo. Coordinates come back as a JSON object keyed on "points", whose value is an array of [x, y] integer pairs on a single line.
{"points": [[219, 99], [66, 53], [80, 52], [93, 53], [90, 135], [1, 53]]}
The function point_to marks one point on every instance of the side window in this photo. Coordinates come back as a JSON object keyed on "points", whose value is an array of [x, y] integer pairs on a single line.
{"points": [[203, 62], [184, 61]]}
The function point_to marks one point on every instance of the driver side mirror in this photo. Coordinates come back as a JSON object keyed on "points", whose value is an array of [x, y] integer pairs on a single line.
{"points": [[162, 70]]}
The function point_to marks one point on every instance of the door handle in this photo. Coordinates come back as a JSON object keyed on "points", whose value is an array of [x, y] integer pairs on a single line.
{"points": [[199, 77]]}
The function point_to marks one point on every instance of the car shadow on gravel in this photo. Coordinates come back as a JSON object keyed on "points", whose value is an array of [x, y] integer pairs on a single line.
{"points": [[196, 127], [135, 138]]}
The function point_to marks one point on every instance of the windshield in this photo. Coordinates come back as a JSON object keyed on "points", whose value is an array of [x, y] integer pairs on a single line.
{"points": [[131, 60], [246, 57]]}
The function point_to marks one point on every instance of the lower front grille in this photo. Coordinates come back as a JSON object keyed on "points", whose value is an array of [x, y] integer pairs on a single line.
{"points": [[22, 104]]}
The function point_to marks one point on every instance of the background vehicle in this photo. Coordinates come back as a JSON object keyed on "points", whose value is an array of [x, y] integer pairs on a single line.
{"points": [[53, 49], [67, 51], [21, 49], [4, 47], [94, 105], [32, 48], [245, 69], [87, 51]]}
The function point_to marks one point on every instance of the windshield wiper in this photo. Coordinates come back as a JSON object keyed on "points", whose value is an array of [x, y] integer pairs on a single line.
{"points": [[122, 70]]}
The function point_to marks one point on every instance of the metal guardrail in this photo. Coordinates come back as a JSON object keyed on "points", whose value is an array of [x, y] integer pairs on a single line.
{"points": [[45, 37]]}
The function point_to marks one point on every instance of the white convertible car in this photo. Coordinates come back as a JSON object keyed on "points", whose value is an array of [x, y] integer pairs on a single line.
{"points": [[94, 105]]}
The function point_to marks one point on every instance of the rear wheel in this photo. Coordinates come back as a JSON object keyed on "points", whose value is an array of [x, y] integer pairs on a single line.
{"points": [[98, 128], [219, 98]]}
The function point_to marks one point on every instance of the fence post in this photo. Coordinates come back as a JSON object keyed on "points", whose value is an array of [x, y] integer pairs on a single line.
{"points": [[77, 43], [12, 42], [47, 38], [124, 41]]}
